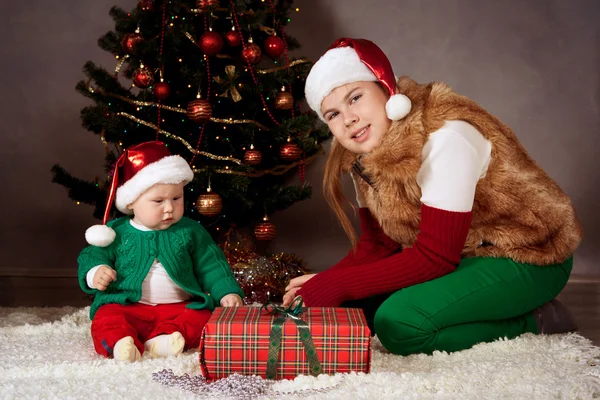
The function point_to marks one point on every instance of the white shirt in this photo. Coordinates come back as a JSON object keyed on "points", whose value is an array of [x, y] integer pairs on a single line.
{"points": [[454, 159]]}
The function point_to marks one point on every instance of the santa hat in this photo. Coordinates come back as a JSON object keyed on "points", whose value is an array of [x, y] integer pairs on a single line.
{"points": [[139, 168], [353, 60]]}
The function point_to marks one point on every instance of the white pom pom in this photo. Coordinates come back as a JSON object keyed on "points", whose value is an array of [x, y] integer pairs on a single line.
{"points": [[397, 107], [100, 235]]}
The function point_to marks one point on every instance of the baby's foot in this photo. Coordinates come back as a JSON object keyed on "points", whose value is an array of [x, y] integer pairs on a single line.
{"points": [[125, 350], [165, 345]]}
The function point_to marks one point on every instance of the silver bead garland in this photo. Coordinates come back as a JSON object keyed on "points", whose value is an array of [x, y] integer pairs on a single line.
{"points": [[234, 386]]}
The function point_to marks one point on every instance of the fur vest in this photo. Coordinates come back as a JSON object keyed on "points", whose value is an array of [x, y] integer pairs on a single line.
{"points": [[519, 212]]}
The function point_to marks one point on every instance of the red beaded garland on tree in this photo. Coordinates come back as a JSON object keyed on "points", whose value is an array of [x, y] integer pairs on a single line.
{"points": [[274, 46]]}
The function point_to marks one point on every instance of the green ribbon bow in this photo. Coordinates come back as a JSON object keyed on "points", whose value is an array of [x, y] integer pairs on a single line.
{"points": [[292, 312]]}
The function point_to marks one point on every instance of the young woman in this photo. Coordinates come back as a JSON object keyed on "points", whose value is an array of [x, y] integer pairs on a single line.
{"points": [[465, 239]]}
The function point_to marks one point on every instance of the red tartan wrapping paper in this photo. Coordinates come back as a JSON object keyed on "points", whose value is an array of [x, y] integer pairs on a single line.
{"points": [[236, 339]]}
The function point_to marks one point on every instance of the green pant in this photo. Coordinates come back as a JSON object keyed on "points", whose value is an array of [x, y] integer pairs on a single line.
{"points": [[483, 300]]}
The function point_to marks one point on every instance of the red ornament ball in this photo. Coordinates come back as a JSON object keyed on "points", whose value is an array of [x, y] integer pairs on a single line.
{"points": [[130, 41], [252, 53], [143, 78], [209, 204], [290, 152], [274, 46], [146, 5], [206, 5], [233, 38], [161, 90], [211, 43], [265, 231], [253, 157], [199, 111]]}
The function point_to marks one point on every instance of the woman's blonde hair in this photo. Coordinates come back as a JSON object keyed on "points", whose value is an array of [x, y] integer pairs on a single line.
{"points": [[332, 189], [332, 185]]}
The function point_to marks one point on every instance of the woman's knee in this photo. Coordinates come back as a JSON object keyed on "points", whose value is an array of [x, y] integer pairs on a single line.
{"points": [[402, 328]]}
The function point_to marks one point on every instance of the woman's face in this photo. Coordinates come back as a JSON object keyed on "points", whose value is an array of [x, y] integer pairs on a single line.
{"points": [[355, 113]]}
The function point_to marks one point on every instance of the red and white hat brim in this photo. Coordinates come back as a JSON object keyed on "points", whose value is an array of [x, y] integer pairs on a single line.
{"points": [[167, 170], [337, 67]]}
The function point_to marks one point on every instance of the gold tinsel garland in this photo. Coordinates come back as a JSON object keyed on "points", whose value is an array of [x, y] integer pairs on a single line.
{"points": [[275, 69], [278, 170], [120, 64], [185, 143], [182, 111]]}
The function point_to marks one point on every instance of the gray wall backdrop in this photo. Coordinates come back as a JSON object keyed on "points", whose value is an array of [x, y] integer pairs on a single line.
{"points": [[533, 63]]}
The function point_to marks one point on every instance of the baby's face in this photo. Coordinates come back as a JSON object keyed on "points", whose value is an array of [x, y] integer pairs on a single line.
{"points": [[159, 207]]}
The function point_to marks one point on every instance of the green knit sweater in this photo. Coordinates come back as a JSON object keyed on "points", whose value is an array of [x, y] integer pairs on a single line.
{"points": [[186, 251]]}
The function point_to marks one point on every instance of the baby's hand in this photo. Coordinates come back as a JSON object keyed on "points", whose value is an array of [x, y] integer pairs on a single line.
{"points": [[103, 277], [231, 300]]}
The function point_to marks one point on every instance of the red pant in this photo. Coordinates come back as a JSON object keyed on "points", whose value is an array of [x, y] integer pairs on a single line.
{"points": [[113, 322]]}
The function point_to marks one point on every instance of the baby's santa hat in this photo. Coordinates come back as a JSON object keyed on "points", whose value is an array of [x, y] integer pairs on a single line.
{"points": [[354, 60], [138, 169]]}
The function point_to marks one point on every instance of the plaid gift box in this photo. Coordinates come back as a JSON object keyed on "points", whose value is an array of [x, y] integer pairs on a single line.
{"points": [[236, 339]]}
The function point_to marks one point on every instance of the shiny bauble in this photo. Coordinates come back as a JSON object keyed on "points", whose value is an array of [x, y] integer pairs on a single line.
{"points": [[130, 41], [207, 5], [146, 5], [265, 231], [209, 204], [252, 53], [233, 39], [143, 78], [210, 43], [290, 152], [199, 111], [161, 90], [274, 46], [252, 157], [284, 101]]}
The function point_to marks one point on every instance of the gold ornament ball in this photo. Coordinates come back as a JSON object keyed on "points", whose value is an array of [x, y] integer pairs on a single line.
{"points": [[265, 231], [209, 204], [284, 101], [199, 111], [253, 157], [290, 152]]}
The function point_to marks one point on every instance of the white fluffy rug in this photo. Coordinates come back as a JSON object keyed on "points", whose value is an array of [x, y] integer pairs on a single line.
{"points": [[48, 353]]}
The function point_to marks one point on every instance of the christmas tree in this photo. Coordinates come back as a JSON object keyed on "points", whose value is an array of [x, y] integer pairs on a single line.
{"points": [[214, 80]]}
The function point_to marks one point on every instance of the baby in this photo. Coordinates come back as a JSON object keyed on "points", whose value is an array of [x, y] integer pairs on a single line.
{"points": [[155, 274]]}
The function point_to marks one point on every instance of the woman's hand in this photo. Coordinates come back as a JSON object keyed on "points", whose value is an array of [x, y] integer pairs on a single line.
{"points": [[295, 285], [231, 300]]}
